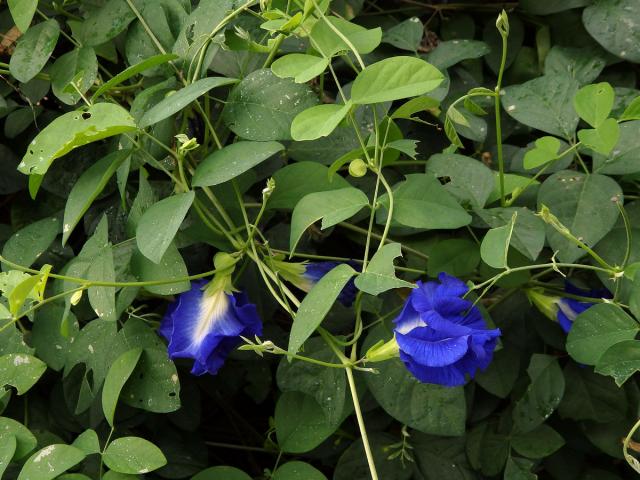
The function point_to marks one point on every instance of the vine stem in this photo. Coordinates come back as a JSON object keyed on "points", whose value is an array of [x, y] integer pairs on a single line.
{"points": [[496, 97], [361, 425]]}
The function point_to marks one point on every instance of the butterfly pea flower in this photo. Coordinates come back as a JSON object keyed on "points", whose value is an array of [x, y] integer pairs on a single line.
{"points": [[206, 322], [442, 338], [564, 310], [306, 274]]}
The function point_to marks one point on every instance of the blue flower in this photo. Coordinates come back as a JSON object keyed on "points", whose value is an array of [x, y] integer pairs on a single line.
{"points": [[314, 271], [206, 325], [443, 337], [569, 308]]}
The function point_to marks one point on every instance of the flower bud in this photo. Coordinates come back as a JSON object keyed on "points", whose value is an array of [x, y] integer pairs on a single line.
{"points": [[357, 168]]}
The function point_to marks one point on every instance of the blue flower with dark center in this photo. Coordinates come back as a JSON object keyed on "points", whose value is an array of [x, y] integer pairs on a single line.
{"points": [[443, 337], [314, 271], [206, 324], [570, 308]]}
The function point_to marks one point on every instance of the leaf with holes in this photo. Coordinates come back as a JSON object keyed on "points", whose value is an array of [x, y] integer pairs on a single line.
{"points": [[72, 130]]}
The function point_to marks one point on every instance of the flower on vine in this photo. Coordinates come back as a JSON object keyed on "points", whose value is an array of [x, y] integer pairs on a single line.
{"points": [[441, 336], [205, 324], [564, 310], [306, 274], [570, 308]]}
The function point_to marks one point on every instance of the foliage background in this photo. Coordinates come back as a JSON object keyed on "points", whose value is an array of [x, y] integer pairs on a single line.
{"points": [[537, 411]]}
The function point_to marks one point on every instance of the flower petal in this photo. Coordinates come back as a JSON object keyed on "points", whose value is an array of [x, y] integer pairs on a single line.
{"points": [[449, 376], [431, 348]]}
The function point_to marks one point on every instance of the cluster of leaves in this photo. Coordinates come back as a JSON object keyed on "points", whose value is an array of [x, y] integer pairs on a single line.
{"points": [[143, 136]]}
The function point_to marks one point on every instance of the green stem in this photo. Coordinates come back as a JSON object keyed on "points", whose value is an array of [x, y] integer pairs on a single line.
{"points": [[274, 50], [97, 283], [362, 231], [498, 120]]}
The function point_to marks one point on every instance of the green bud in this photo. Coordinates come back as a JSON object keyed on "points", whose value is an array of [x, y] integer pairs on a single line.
{"points": [[502, 24], [357, 168], [382, 351], [547, 304]]}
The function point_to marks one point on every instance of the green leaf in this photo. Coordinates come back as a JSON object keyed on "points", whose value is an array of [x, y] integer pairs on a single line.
{"points": [[80, 67], [132, 71], [49, 462], [597, 329], [318, 121], [317, 304], [20, 370], [34, 49], [538, 443], [625, 156], [544, 103], [26, 245], [428, 408], [328, 386], [88, 442], [118, 374], [328, 43], [469, 179], [543, 395], [299, 66], [88, 187], [502, 373], [406, 35], [415, 105], [519, 469], [545, 7], [108, 21], [512, 183], [583, 64], [73, 130], [300, 423], [380, 274], [600, 16], [22, 12], [171, 265], [180, 99], [233, 160], [495, 244], [332, 207], [20, 293], [594, 103], [133, 455], [603, 138], [585, 204], [451, 52], [394, 78], [154, 385], [452, 134], [632, 112], [421, 202], [352, 464], [160, 223], [25, 440], [221, 473], [297, 470], [298, 179], [620, 361], [546, 149], [262, 106], [528, 233], [7, 450], [455, 256], [98, 254]]}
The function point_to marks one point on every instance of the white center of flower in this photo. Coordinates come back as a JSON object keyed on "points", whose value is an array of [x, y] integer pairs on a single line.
{"points": [[408, 325], [212, 308], [567, 310]]}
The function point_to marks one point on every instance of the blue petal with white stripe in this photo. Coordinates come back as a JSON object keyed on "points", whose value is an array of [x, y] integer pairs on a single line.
{"points": [[206, 326]]}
